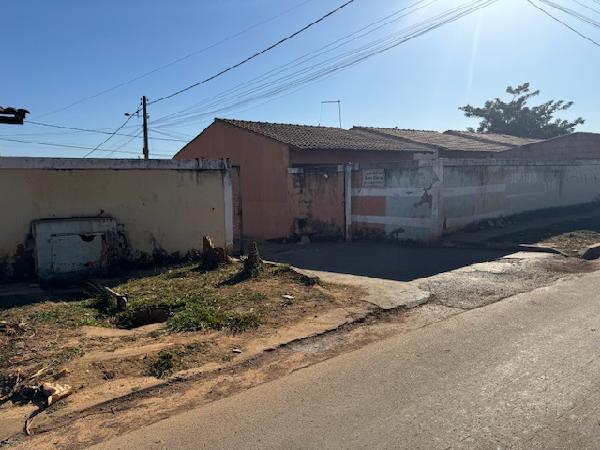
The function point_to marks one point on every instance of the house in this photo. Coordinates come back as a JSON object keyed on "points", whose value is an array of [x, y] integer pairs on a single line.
{"points": [[265, 151], [293, 180]]}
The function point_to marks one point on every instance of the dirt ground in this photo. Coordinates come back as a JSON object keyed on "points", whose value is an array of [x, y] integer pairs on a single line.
{"points": [[176, 322], [243, 333]]}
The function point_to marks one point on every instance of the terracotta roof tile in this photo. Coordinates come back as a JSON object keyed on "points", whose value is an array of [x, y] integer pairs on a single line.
{"points": [[444, 141], [513, 141], [306, 137]]}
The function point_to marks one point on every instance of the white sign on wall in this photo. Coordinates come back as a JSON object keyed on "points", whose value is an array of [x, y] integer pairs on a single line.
{"points": [[374, 178]]}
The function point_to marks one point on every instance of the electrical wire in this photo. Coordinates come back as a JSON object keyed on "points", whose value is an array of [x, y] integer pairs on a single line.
{"points": [[89, 130], [577, 15], [303, 59], [556, 19], [113, 133], [346, 60], [69, 146], [255, 55], [586, 6], [334, 45], [127, 142], [176, 61]]}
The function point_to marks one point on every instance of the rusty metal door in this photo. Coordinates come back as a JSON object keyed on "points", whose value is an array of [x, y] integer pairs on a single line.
{"points": [[238, 215]]}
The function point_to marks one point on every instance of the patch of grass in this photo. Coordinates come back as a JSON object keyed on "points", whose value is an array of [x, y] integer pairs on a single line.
{"points": [[163, 365], [68, 315], [198, 317]]}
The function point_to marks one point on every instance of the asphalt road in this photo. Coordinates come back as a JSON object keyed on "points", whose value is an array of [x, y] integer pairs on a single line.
{"points": [[377, 259], [522, 373]]}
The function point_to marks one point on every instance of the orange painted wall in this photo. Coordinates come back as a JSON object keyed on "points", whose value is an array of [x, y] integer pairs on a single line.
{"points": [[271, 202], [300, 157], [263, 163], [317, 202]]}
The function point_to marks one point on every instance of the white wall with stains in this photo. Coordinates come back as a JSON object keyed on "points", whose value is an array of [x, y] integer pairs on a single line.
{"points": [[422, 200]]}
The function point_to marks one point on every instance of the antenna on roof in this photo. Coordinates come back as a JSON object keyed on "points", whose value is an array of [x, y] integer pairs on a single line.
{"points": [[339, 103]]}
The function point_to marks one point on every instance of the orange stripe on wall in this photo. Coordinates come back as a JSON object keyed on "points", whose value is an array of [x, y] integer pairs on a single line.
{"points": [[368, 206]]}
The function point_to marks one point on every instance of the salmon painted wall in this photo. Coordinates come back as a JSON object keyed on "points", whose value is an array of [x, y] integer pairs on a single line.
{"points": [[264, 178], [317, 202], [301, 157]]}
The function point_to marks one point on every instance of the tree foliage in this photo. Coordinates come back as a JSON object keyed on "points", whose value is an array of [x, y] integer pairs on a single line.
{"points": [[517, 118]]}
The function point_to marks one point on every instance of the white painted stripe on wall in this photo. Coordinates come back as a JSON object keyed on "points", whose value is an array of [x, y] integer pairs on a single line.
{"points": [[387, 192], [390, 220], [473, 190], [526, 194]]}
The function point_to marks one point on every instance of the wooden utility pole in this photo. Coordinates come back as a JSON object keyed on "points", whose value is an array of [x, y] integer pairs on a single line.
{"points": [[146, 150]]}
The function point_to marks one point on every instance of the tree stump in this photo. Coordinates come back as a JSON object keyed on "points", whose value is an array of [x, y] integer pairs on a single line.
{"points": [[212, 257], [253, 263]]}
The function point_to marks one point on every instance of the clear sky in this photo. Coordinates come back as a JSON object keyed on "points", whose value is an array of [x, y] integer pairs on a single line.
{"points": [[57, 52]]}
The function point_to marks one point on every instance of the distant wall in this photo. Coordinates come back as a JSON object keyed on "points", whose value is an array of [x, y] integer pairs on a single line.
{"points": [[422, 200], [574, 146], [161, 207], [474, 191]]}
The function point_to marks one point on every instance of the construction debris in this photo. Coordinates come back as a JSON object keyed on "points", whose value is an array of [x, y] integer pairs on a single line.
{"points": [[108, 296], [55, 392]]}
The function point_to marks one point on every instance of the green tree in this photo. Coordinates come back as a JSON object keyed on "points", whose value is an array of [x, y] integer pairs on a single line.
{"points": [[516, 118]]}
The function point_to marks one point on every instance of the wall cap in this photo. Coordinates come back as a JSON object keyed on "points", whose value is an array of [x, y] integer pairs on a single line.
{"points": [[109, 164]]}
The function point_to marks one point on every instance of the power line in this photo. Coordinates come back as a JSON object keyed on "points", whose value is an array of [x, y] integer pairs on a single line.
{"points": [[115, 150], [78, 147], [556, 19], [366, 30], [577, 15], [350, 58], [176, 61], [587, 6], [172, 134], [112, 134], [90, 130], [255, 55]]}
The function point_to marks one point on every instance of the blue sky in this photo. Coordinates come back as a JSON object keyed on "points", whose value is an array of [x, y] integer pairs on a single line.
{"points": [[62, 51]]}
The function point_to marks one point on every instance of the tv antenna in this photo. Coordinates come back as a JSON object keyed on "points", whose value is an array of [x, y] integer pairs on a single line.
{"points": [[339, 103]]}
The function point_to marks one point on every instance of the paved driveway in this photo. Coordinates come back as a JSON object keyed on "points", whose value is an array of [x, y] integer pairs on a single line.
{"points": [[377, 259]]}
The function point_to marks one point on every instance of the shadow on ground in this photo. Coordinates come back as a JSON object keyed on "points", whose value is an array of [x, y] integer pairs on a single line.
{"points": [[377, 259]]}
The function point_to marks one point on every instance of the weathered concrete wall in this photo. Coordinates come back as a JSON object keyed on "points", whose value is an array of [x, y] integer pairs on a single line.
{"points": [[397, 201], [475, 191], [164, 211], [316, 198], [422, 200], [576, 146]]}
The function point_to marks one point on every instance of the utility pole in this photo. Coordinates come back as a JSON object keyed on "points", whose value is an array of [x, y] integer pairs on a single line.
{"points": [[146, 150]]}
